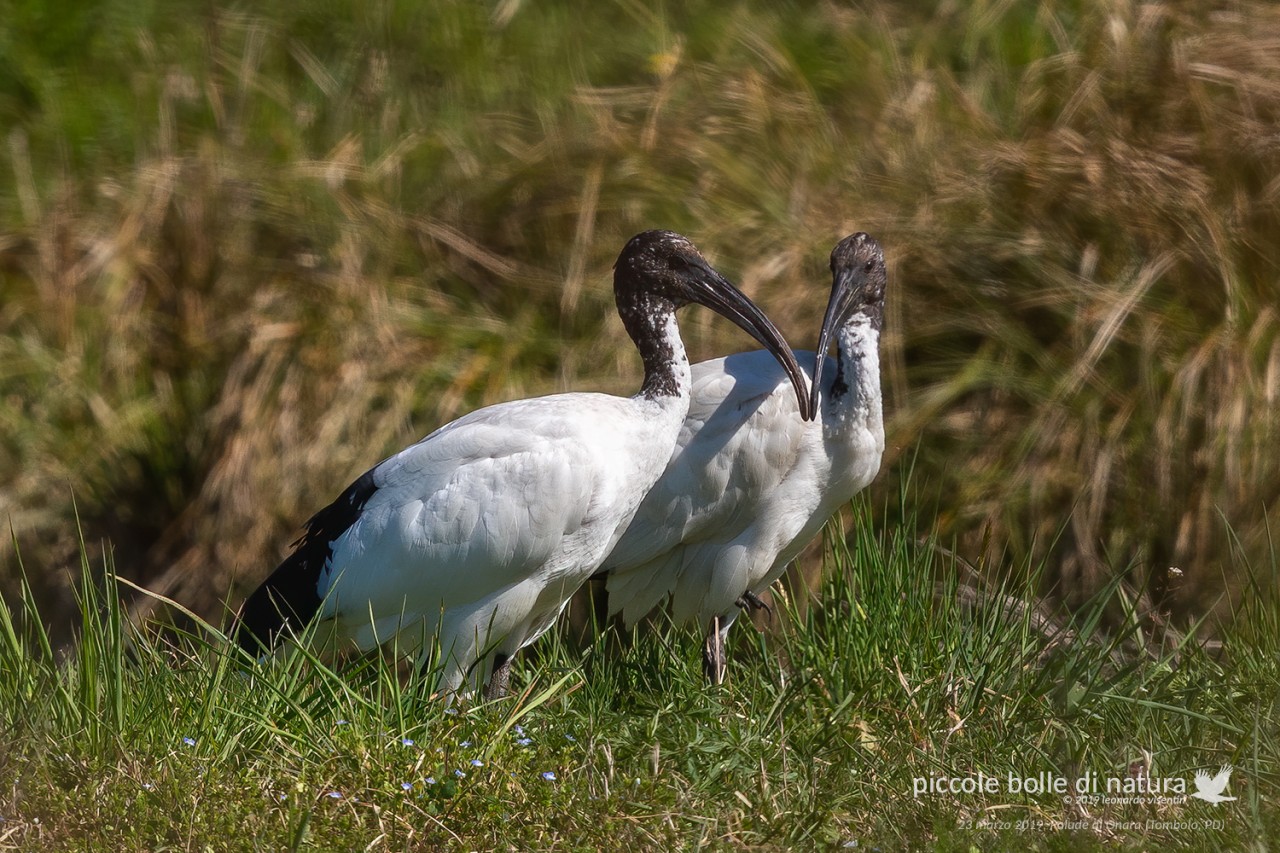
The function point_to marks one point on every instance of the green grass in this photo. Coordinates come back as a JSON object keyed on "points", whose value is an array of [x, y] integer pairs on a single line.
{"points": [[139, 741]]}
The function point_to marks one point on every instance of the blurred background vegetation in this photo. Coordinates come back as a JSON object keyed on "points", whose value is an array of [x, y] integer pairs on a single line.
{"points": [[247, 250]]}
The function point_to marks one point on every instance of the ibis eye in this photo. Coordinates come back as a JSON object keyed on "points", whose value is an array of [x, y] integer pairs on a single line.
{"points": [[869, 265]]}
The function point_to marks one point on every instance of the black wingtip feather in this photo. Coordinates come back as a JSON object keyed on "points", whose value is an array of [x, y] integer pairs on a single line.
{"points": [[289, 599]]}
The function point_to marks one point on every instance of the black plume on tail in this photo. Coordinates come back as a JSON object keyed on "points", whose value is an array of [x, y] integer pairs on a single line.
{"points": [[290, 597]]}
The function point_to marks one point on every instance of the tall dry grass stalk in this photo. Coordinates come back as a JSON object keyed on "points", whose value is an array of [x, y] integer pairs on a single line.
{"points": [[327, 235]]}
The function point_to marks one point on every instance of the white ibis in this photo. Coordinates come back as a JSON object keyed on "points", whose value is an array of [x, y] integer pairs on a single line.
{"points": [[750, 483], [477, 536]]}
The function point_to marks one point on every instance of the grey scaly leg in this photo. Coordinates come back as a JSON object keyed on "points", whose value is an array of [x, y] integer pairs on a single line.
{"points": [[499, 679], [713, 660]]}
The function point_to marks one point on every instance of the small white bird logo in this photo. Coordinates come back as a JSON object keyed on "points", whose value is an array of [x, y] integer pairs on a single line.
{"points": [[1210, 788]]}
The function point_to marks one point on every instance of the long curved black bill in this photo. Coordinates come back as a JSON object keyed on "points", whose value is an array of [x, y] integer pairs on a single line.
{"points": [[719, 294], [845, 284]]}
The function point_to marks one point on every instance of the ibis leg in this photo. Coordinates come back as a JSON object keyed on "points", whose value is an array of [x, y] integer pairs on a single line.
{"points": [[713, 660], [499, 678]]}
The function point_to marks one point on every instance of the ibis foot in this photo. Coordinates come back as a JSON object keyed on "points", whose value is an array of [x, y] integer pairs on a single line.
{"points": [[749, 600]]}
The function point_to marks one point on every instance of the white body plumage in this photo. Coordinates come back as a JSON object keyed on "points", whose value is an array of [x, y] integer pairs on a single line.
{"points": [[482, 531]]}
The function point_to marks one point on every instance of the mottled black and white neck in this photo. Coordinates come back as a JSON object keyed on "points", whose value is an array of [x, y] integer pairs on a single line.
{"points": [[650, 317], [854, 317]]}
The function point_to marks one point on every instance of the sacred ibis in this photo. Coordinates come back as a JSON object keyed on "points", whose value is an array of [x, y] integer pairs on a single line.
{"points": [[477, 536], [749, 483]]}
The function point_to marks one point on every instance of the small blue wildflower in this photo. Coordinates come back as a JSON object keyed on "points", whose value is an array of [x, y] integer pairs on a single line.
{"points": [[571, 738], [189, 741], [430, 780], [334, 795], [459, 774], [452, 712], [549, 775], [343, 723], [524, 741], [465, 744], [518, 729], [475, 762], [408, 741], [406, 786]]}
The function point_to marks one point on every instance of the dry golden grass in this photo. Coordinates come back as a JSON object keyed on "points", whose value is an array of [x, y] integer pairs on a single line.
{"points": [[331, 237]]}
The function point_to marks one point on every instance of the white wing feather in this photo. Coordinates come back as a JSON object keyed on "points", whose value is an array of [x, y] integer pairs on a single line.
{"points": [[696, 527]]}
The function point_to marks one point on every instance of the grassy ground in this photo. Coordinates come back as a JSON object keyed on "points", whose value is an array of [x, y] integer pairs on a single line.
{"points": [[137, 743]]}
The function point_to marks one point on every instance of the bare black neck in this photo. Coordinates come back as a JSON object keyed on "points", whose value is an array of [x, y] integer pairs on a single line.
{"points": [[651, 323]]}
